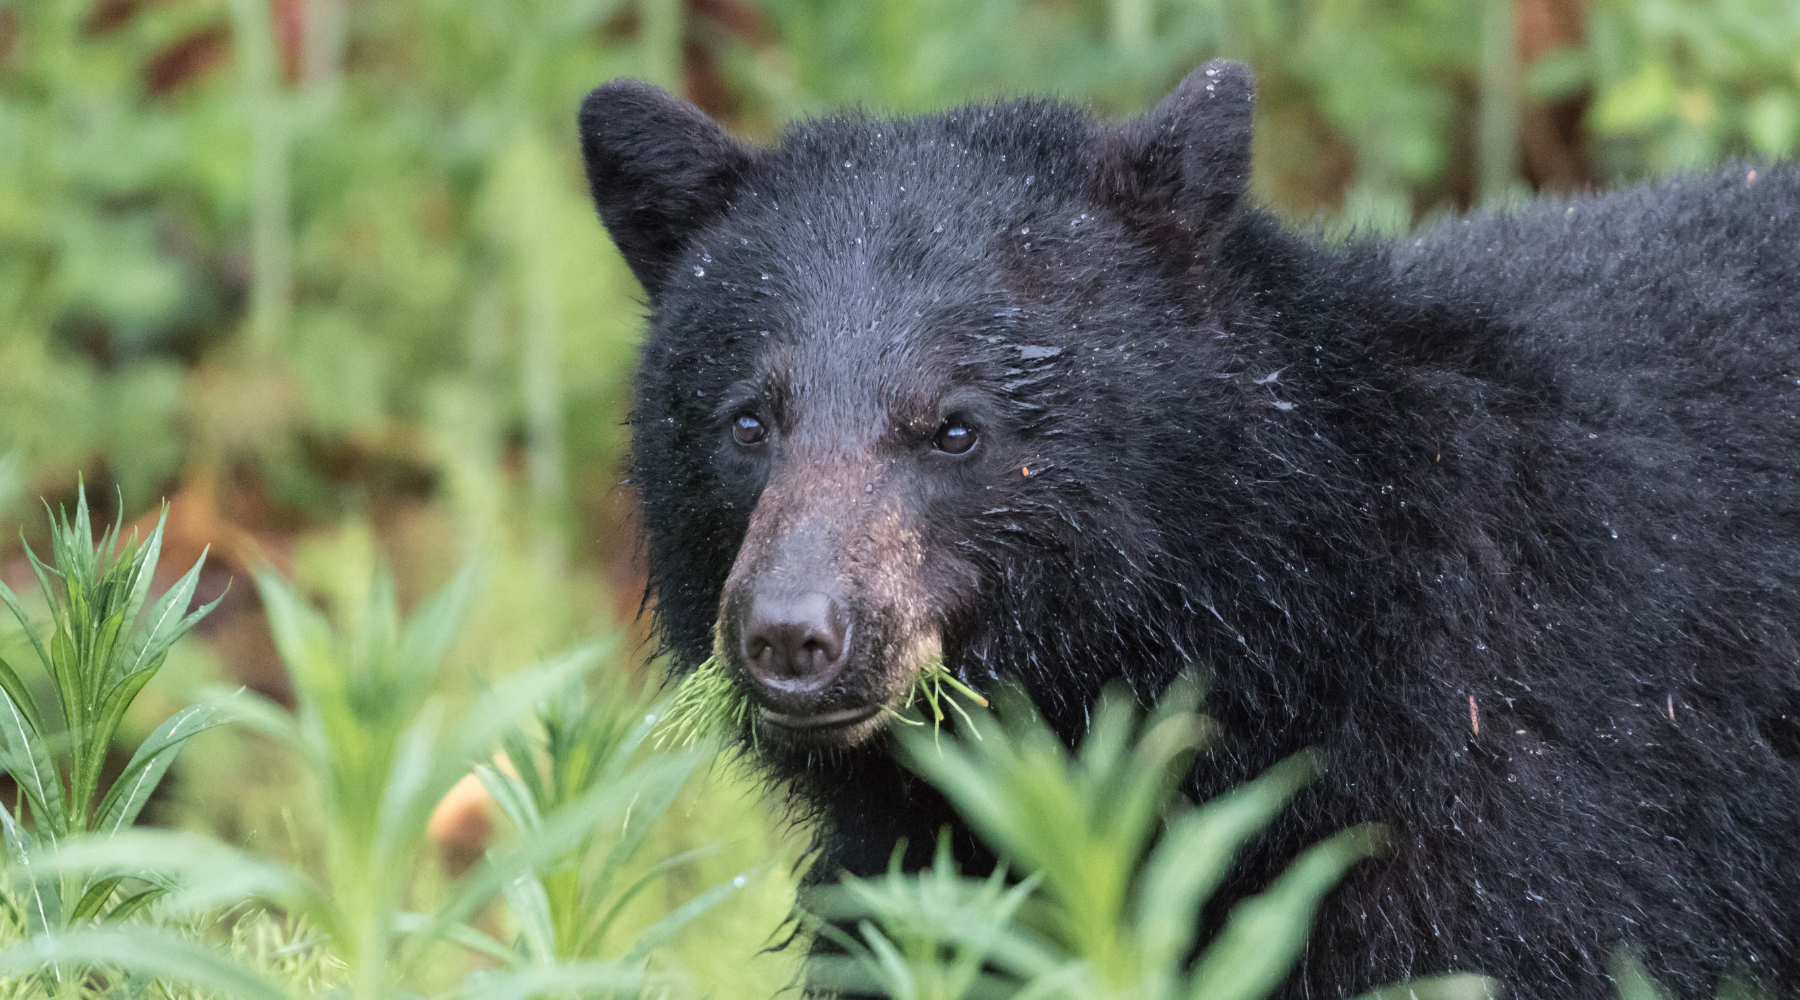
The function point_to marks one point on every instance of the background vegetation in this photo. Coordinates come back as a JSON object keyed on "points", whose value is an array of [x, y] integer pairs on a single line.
{"points": [[323, 273]]}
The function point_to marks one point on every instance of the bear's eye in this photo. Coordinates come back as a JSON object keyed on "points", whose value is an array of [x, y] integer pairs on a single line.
{"points": [[954, 438], [747, 430]]}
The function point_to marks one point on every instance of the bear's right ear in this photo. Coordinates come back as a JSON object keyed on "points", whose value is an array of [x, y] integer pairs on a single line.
{"points": [[659, 170], [1187, 159]]}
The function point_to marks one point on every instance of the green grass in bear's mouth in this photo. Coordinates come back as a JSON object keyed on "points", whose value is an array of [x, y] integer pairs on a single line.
{"points": [[709, 701], [706, 702], [929, 686]]}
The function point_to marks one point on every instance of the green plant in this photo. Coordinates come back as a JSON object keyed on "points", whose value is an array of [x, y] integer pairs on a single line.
{"points": [[567, 907], [1116, 884], [383, 756], [103, 647]]}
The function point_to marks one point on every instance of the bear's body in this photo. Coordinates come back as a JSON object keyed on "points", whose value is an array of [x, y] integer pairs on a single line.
{"points": [[1504, 518]]}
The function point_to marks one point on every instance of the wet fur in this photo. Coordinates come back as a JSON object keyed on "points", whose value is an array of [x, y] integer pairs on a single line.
{"points": [[1531, 472]]}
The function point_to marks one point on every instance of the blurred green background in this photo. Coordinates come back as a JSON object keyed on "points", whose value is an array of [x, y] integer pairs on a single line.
{"points": [[324, 274]]}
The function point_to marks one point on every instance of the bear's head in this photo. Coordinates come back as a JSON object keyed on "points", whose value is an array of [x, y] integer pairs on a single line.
{"points": [[879, 404]]}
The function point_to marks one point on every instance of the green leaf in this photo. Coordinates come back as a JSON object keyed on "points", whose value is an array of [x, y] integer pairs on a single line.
{"points": [[463, 934], [96, 896], [201, 873], [1263, 937], [148, 950], [165, 623], [512, 796], [1196, 853], [530, 907], [661, 932], [435, 623], [18, 611], [1458, 986], [14, 687], [597, 933], [28, 760], [617, 978], [561, 831], [131, 905], [126, 798], [1633, 980]]}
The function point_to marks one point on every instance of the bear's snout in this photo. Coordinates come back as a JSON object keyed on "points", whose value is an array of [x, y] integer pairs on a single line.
{"points": [[795, 646]]}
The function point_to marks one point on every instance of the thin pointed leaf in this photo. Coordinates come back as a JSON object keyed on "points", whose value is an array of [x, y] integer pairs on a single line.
{"points": [[131, 905], [561, 831], [165, 622], [1263, 937], [29, 762], [435, 623], [143, 569], [659, 933], [597, 933], [409, 794], [201, 873], [513, 798], [255, 711], [1195, 855], [143, 949], [463, 934], [530, 907], [96, 897], [18, 612], [1456, 986], [576, 978], [126, 798], [14, 688]]}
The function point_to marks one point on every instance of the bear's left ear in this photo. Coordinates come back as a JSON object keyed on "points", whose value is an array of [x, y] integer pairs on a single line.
{"points": [[659, 170], [1187, 159]]}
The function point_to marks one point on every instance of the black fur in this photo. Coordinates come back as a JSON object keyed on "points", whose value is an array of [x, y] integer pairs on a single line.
{"points": [[1532, 472]]}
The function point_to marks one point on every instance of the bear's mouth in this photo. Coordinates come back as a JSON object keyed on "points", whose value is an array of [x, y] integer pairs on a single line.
{"points": [[844, 727]]}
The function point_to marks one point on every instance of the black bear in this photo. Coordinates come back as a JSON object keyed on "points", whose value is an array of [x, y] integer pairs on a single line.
{"points": [[1504, 518]]}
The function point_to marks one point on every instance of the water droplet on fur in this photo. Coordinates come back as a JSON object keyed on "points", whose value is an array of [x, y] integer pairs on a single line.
{"points": [[706, 258], [1283, 405], [765, 277], [1029, 179], [1025, 231], [762, 333], [699, 272], [846, 164], [1615, 532], [868, 487], [938, 228]]}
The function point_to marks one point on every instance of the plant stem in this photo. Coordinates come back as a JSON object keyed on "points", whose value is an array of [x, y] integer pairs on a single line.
{"points": [[1497, 152], [272, 279]]}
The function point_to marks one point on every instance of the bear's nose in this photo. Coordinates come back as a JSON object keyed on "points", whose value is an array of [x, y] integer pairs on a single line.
{"points": [[795, 645]]}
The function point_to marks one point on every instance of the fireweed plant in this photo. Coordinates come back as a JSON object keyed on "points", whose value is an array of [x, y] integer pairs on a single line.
{"points": [[104, 642], [382, 753], [1113, 890]]}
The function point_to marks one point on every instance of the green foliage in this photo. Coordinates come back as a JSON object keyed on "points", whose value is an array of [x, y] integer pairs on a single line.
{"points": [[1116, 884], [104, 646], [569, 905], [1683, 83], [708, 702], [382, 755]]}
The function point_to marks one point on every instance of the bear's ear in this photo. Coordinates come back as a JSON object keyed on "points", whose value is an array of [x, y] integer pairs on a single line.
{"points": [[1186, 160], [659, 169]]}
